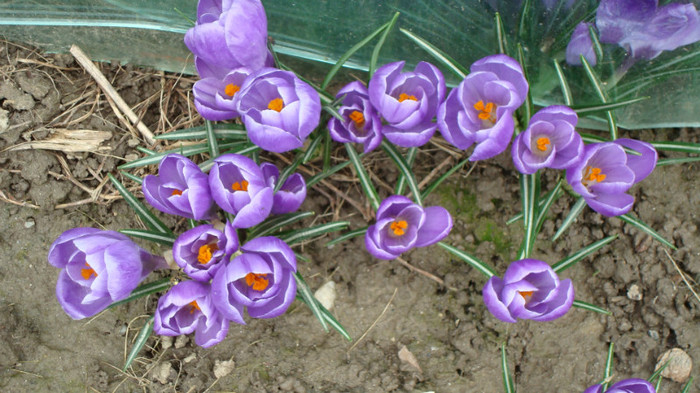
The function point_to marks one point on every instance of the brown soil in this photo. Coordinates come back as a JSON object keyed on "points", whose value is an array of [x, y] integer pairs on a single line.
{"points": [[383, 305]]}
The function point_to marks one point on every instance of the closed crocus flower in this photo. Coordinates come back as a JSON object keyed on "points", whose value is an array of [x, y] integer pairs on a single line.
{"points": [[361, 122], [407, 101], [229, 34], [291, 195], [98, 268], [238, 186], [180, 188], [402, 225], [606, 172], [213, 96], [202, 250], [480, 109], [530, 289], [261, 279], [644, 29], [581, 44], [187, 308], [279, 109], [550, 141], [632, 385]]}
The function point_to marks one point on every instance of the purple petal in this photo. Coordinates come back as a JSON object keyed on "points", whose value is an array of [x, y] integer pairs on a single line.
{"points": [[581, 44], [493, 302], [437, 226], [611, 205], [643, 164]]}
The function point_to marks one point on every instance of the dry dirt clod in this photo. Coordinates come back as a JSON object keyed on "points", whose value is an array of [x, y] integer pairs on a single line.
{"points": [[181, 341], [162, 372], [679, 365], [326, 295]]}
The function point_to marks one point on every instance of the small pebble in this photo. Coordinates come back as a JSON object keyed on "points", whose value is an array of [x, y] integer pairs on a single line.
{"points": [[653, 334], [326, 295], [29, 223], [634, 293], [679, 365], [222, 369]]}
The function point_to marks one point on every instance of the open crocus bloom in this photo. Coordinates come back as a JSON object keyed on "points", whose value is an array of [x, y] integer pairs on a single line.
{"points": [[214, 96], [261, 279], [480, 109], [408, 101], [550, 141], [402, 225], [607, 171], [632, 385], [188, 308], [529, 290], [203, 250], [279, 109], [361, 122], [180, 188], [238, 186], [98, 268]]}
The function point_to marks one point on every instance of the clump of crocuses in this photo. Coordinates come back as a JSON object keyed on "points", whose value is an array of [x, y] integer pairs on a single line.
{"points": [[361, 122], [530, 289], [550, 141], [632, 385], [606, 171], [407, 101], [98, 268], [402, 225], [480, 109]]}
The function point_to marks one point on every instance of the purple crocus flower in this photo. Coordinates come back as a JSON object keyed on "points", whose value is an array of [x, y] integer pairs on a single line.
{"points": [[632, 385], [180, 188], [261, 279], [98, 268], [581, 44], [229, 34], [644, 29], [202, 250], [279, 109], [408, 101], [362, 123], [550, 141], [213, 96], [402, 225], [187, 307], [530, 289], [606, 172], [238, 186], [291, 195], [480, 109]]}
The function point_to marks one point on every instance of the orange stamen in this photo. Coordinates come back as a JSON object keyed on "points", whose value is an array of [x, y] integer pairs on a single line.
{"points": [[403, 97], [242, 186], [204, 255], [526, 295], [257, 281], [231, 89], [87, 273], [176, 192], [486, 112], [276, 105], [194, 306], [592, 175], [542, 143], [399, 227], [358, 118]]}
